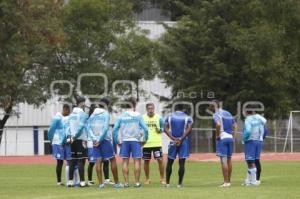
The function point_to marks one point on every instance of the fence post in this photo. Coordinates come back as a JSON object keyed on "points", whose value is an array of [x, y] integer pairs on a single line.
{"points": [[5, 141], [196, 140], [275, 136], [35, 140]]}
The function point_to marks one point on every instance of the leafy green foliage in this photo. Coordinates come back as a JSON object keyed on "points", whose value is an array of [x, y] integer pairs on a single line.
{"points": [[30, 33], [102, 37], [241, 50], [43, 41]]}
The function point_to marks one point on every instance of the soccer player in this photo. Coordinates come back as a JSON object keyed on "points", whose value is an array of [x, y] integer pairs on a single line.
{"points": [[90, 147], [153, 146], [226, 128], [253, 135], [127, 133], [77, 138], [98, 127], [92, 159], [178, 126], [56, 134], [106, 171]]}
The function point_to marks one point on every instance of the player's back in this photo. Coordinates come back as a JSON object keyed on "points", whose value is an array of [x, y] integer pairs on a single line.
{"points": [[129, 126], [226, 120], [98, 122], [178, 121], [56, 129], [254, 125], [76, 122]]}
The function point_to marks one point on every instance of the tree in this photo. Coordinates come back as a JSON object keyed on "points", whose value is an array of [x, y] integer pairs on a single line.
{"points": [[176, 8], [240, 50], [102, 37], [43, 41], [30, 32]]}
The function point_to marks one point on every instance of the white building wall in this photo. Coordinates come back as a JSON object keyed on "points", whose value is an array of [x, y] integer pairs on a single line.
{"points": [[156, 29], [19, 141]]}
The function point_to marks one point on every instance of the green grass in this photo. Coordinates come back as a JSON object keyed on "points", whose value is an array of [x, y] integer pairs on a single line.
{"points": [[279, 180]]}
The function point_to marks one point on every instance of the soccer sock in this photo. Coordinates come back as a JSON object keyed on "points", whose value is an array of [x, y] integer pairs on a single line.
{"points": [[72, 168], [81, 169], [258, 167], [58, 169], [106, 169], [169, 170], [67, 173], [90, 170], [247, 180], [181, 170], [76, 176], [252, 173]]}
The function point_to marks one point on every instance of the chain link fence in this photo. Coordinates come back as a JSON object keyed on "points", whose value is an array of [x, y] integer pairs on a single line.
{"points": [[21, 140], [202, 140]]}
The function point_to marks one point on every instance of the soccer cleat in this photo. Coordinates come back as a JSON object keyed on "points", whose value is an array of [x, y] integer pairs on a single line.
{"points": [[60, 184], [179, 186], [246, 182], [258, 182], [162, 182], [137, 185], [90, 183], [83, 184], [167, 185], [147, 181], [70, 183], [126, 185], [225, 185], [101, 186], [118, 185], [107, 181]]}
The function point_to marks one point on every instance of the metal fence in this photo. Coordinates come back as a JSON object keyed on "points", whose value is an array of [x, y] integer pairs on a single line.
{"points": [[202, 140], [20, 140]]}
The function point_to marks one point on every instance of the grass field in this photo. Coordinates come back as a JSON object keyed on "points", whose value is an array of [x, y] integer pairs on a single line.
{"points": [[279, 180]]}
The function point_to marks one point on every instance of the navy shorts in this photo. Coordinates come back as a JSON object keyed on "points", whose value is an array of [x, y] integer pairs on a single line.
{"points": [[253, 149], [91, 155], [131, 149], [90, 151], [183, 150], [225, 147], [104, 151], [61, 152]]}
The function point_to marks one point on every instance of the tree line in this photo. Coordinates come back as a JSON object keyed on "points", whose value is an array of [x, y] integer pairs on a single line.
{"points": [[239, 49]]}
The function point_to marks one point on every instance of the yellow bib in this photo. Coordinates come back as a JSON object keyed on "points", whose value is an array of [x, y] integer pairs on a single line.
{"points": [[154, 137]]}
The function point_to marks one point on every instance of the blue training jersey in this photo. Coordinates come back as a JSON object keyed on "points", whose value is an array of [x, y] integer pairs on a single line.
{"points": [[225, 119], [178, 122], [98, 125], [130, 126], [254, 128], [76, 124], [57, 130]]}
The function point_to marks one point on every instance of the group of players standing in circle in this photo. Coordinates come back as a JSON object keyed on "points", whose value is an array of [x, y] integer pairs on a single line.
{"points": [[76, 136]]}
